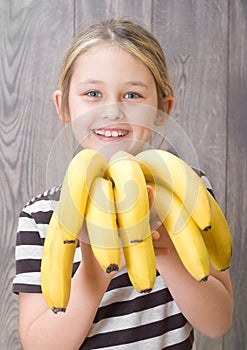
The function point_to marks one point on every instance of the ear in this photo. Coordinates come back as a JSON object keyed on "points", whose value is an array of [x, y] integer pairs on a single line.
{"points": [[168, 103], [57, 99]]}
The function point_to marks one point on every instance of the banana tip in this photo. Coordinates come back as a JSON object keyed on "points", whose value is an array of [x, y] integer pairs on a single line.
{"points": [[112, 267], [148, 290], [56, 310], [225, 268]]}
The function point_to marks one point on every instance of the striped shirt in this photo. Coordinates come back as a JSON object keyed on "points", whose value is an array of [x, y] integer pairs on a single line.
{"points": [[125, 318]]}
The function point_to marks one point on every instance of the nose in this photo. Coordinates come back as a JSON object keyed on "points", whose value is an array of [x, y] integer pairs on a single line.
{"points": [[113, 112]]}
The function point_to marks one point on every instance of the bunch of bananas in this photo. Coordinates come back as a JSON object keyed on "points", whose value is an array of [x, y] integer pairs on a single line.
{"points": [[113, 198]]}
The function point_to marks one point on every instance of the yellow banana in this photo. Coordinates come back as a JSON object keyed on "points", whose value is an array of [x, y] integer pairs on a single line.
{"points": [[183, 231], [56, 266], [218, 240], [166, 169], [101, 222], [82, 170], [65, 226], [132, 206]]}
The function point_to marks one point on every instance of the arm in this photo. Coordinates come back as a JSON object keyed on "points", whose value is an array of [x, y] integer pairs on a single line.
{"points": [[206, 305], [41, 329]]}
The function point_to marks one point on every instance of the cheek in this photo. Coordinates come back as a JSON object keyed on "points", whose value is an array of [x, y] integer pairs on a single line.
{"points": [[142, 133], [76, 105], [143, 116], [75, 108], [80, 124]]}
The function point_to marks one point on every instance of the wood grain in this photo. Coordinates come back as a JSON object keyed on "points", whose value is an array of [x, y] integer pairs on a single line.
{"points": [[193, 35], [205, 44], [33, 36], [237, 169], [88, 12]]}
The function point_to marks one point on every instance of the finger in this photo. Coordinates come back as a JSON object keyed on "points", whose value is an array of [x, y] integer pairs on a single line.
{"points": [[162, 251], [155, 235]]}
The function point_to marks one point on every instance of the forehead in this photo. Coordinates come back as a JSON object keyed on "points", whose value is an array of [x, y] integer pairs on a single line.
{"points": [[109, 58]]}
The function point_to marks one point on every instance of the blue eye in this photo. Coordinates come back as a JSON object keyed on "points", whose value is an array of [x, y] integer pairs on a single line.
{"points": [[131, 95], [94, 93]]}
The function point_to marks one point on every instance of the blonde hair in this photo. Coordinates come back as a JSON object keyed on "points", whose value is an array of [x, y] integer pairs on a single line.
{"points": [[131, 37]]}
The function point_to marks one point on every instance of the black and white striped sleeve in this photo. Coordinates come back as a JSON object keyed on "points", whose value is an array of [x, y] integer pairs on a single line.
{"points": [[205, 180], [32, 227]]}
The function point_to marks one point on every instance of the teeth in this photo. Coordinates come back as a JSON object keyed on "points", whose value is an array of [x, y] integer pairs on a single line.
{"points": [[109, 133]]}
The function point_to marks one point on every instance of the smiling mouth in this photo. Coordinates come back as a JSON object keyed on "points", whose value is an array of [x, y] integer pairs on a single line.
{"points": [[111, 133]]}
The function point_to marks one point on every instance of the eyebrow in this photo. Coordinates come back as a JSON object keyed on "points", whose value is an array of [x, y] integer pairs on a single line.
{"points": [[136, 83], [90, 81], [95, 81]]}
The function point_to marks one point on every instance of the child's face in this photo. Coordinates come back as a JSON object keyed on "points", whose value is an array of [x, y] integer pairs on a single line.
{"points": [[110, 96]]}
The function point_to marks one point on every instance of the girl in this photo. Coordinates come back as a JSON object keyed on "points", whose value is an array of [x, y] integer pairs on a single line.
{"points": [[116, 66]]}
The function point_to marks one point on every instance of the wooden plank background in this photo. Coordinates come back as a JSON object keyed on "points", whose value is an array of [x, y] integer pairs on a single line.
{"points": [[205, 43]]}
